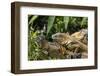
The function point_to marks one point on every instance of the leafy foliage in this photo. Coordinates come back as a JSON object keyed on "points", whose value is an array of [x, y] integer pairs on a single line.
{"points": [[50, 23]]}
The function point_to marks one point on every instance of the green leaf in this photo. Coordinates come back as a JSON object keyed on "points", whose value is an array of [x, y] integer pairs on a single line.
{"points": [[50, 23], [83, 21], [32, 19], [66, 20]]}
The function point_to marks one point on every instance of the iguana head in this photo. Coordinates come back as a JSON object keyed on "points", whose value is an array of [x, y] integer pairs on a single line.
{"points": [[61, 38], [80, 34], [42, 42]]}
